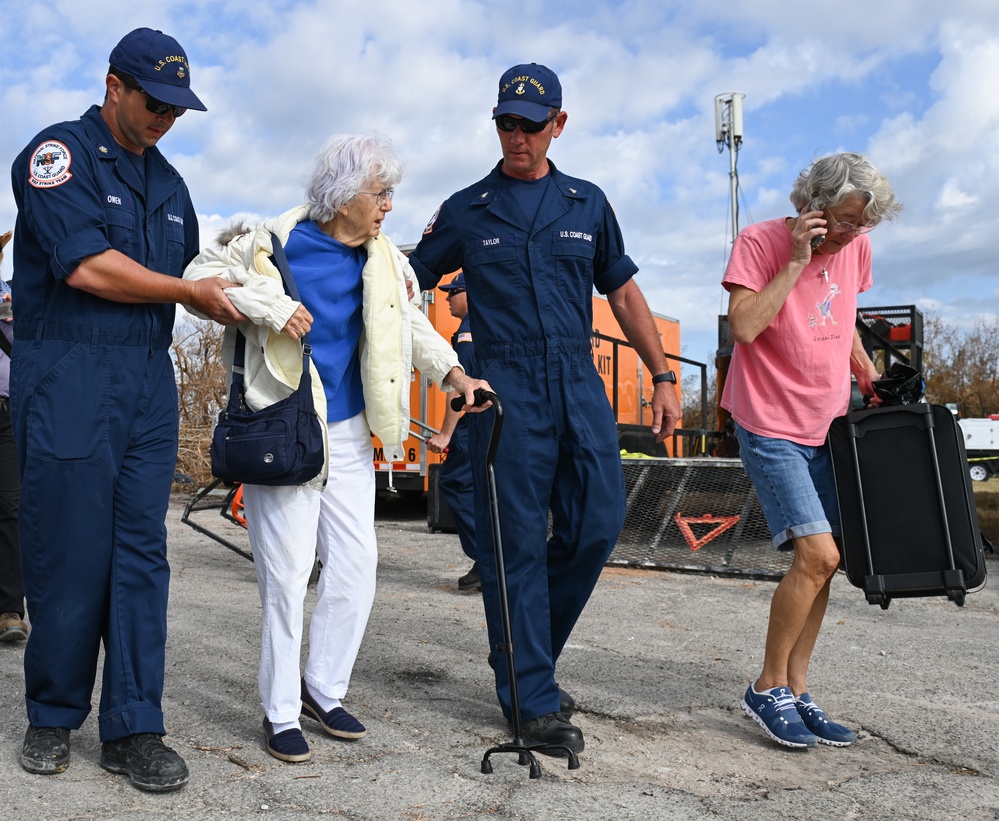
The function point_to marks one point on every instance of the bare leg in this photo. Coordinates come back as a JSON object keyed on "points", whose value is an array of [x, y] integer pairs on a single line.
{"points": [[801, 654], [796, 613]]}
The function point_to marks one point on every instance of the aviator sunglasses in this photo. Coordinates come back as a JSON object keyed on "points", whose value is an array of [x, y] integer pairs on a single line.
{"points": [[153, 105], [504, 122]]}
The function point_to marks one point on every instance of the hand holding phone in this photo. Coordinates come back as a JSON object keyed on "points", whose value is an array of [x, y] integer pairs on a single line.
{"points": [[817, 240]]}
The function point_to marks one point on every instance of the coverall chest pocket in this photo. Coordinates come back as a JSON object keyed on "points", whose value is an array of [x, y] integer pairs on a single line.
{"points": [[573, 265], [174, 263], [498, 278], [120, 221]]}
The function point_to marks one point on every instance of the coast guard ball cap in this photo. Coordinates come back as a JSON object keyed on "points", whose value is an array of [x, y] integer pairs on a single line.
{"points": [[529, 91], [159, 65], [456, 284]]}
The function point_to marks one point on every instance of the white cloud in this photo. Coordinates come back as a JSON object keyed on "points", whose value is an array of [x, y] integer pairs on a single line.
{"points": [[953, 199], [907, 82]]}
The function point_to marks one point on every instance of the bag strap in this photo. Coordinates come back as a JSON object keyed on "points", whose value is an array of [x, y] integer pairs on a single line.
{"points": [[239, 355], [281, 261]]}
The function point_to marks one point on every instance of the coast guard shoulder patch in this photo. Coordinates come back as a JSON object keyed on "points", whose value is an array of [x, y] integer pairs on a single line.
{"points": [[50, 165], [430, 225]]}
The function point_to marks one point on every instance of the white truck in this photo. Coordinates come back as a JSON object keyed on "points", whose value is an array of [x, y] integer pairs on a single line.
{"points": [[981, 441]]}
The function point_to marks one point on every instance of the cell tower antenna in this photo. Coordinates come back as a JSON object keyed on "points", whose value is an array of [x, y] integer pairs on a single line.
{"points": [[728, 132]]}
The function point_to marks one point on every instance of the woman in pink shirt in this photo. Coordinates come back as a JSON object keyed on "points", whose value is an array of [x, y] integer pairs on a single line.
{"points": [[793, 284]]}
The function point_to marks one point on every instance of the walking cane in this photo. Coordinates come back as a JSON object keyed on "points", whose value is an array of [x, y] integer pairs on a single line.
{"points": [[517, 745]]}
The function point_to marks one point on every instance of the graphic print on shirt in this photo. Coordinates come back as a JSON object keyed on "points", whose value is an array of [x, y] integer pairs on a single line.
{"points": [[825, 307]]}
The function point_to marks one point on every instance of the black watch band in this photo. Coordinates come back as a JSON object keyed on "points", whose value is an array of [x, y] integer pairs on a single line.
{"points": [[669, 376]]}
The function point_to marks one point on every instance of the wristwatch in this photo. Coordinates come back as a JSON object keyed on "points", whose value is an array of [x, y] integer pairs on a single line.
{"points": [[669, 376]]}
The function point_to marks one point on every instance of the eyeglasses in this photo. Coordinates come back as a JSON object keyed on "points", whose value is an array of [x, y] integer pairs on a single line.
{"points": [[153, 105], [380, 196], [849, 227], [455, 292], [504, 122]]}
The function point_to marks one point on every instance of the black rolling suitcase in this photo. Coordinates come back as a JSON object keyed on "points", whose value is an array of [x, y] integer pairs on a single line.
{"points": [[907, 509]]}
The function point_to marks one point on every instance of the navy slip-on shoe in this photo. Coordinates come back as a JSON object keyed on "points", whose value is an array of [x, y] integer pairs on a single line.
{"points": [[289, 745], [337, 722]]}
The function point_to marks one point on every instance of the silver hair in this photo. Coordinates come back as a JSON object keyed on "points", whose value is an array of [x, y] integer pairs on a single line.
{"points": [[830, 180], [343, 167]]}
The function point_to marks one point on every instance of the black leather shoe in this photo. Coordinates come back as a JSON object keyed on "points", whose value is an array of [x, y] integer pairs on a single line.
{"points": [[145, 759], [45, 750], [471, 580], [566, 703], [553, 728]]}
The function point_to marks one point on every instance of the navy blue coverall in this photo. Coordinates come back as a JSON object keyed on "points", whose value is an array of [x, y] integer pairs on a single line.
{"points": [[94, 404], [530, 303], [455, 479]]}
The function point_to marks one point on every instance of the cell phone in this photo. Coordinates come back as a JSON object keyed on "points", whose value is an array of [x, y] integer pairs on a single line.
{"points": [[816, 241]]}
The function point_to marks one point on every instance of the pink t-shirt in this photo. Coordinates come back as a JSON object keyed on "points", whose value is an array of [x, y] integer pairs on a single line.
{"points": [[794, 378]]}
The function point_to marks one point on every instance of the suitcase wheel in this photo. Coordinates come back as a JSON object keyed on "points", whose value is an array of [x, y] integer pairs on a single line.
{"points": [[879, 598]]}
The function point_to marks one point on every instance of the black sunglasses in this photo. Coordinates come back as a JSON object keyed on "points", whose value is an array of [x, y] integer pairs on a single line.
{"points": [[153, 105], [504, 122]]}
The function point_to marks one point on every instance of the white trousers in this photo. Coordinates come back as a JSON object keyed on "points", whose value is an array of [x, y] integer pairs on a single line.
{"points": [[288, 526]]}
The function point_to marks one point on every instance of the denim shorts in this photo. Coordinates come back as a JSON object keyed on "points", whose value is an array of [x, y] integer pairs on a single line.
{"points": [[795, 486]]}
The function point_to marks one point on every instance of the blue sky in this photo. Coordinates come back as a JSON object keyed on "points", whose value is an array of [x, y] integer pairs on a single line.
{"points": [[911, 83]]}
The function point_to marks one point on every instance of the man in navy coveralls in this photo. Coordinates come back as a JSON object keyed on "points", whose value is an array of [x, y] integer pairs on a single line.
{"points": [[104, 229], [532, 243]]}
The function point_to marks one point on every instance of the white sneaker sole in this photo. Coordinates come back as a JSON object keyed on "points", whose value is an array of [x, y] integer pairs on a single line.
{"points": [[829, 743]]}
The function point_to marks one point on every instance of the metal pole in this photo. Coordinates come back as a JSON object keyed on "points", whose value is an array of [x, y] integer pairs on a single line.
{"points": [[733, 179]]}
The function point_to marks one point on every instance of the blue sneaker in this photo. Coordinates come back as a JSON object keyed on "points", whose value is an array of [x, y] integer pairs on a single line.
{"points": [[775, 712], [827, 732]]}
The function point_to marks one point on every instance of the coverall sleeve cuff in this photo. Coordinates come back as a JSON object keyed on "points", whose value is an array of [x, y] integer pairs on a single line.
{"points": [[68, 254], [613, 278], [428, 279]]}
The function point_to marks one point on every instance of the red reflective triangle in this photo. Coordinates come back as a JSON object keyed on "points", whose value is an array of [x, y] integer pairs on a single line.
{"points": [[722, 523]]}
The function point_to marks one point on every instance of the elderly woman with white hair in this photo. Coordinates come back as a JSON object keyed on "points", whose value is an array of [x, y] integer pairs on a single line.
{"points": [[367, 332]]}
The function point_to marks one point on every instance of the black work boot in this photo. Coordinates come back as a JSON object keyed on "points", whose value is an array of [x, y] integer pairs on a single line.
{"points": [[45, 750], [553, 728], [566, 704], [471, 580], [145, 759]]}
